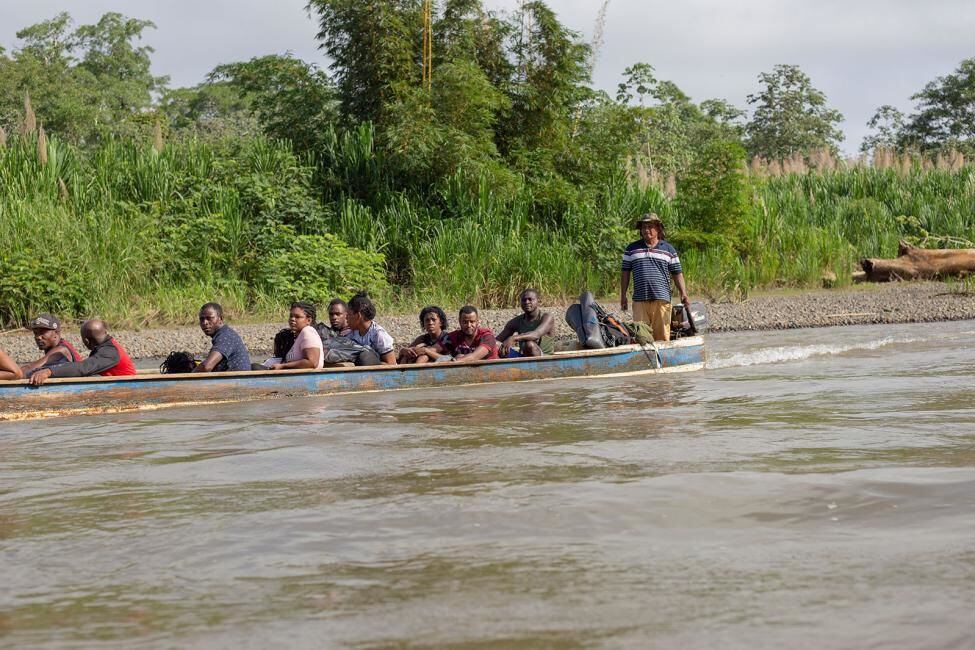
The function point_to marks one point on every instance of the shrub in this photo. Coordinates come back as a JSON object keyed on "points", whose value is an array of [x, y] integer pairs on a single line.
{"points": [[712, 196], [319, 267], [32, 281]]}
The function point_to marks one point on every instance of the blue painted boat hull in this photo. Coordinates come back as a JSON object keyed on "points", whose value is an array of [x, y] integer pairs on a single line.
{"points": [[18, 400]]}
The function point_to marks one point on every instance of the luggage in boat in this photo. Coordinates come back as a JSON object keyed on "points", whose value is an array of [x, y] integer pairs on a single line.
{"points": [[341, 349], [582, 317], [595, 327], [612, 329]]}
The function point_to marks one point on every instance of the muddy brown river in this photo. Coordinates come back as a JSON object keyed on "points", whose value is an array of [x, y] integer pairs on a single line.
{"points": [[810, 489]]}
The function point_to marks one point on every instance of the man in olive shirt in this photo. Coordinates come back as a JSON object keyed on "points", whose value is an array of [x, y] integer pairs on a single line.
{"points": [[530, 334]]}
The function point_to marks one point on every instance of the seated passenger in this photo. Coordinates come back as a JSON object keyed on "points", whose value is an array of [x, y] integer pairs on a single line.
{"points": [[107, 357], [530, 334], [366, 332], [227, 352], [469, 343], [47, 337], [306, 352], [338, 317], [434, 323], [9, 370]]}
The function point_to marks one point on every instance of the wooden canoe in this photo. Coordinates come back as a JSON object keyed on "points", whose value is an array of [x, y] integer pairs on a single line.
{"points": [[89, 395]]}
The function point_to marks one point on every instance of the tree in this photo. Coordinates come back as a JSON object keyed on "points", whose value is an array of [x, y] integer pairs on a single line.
{"points": [[667, 127], [790, 116], [213, 110], [945, 113], [119, 68], [375, 50], [84, 83], [551, 70], [464, 31], [888, 126], [293, 100]]}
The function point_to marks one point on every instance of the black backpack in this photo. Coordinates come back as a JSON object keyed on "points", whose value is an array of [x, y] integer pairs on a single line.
{"points": [[613, 330]]}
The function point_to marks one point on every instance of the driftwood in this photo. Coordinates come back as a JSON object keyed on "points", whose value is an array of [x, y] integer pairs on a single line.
{"points": [[914, 263]]}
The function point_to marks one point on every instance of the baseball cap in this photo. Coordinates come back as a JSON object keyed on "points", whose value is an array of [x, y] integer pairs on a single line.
{"points": [[44, 322]]}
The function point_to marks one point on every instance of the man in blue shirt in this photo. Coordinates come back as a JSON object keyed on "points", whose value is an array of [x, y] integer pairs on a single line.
{"points": [[652, 262], [228, 351]]}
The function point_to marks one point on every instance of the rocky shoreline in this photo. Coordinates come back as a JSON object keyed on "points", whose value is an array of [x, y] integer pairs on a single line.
{"points": [[918, 302]]}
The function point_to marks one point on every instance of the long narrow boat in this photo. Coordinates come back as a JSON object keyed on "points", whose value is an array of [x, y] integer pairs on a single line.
{"points": [[57, 397]]}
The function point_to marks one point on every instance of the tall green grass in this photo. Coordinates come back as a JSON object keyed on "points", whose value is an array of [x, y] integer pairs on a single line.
{"points": [[140, 236]]}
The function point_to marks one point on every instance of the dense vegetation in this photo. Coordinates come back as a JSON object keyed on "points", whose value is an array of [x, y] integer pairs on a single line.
{"points": [[459, 178]]}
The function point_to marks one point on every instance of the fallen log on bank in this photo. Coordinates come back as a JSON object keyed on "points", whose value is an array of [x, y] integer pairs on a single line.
{"points": [[914, 263]]}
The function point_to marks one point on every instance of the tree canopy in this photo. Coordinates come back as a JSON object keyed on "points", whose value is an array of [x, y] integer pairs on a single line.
{"points": [[790, 116], [943, 118]]}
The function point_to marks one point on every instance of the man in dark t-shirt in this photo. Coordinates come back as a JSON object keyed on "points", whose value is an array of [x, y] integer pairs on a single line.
{"points": [[227, 352]]}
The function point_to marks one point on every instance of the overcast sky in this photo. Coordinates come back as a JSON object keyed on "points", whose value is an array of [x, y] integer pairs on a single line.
{"points": [[861, 53]]}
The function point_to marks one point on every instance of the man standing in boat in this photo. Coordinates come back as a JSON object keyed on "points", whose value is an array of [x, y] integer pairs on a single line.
{"points": [[227, 351], [652, 262], [107, 358]]}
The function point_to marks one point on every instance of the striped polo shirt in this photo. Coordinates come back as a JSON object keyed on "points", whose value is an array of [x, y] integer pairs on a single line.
{"points": [[651, 269]]}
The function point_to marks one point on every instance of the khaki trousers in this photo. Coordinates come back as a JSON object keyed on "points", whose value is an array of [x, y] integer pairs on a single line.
{"points": [[657, 314]]}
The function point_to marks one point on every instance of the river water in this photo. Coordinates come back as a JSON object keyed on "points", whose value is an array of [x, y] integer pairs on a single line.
{"points": [[810, 489]]}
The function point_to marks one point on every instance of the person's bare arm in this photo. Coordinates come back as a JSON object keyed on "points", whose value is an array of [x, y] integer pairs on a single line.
{"points": [[50, 354], [479, 353], [210, 362], [310, 360], [681, 289], [8, 368], [508, 330], [624, 287], [388, 358], [433, 351], [544, 329]]}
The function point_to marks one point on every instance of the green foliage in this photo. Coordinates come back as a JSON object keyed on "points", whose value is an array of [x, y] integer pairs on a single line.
{"points": [[84, 84], [713, 195], [790, 116], [887, 125], [278, 181], [944, 118], [29, 278], [374, 46], [320, 267], [293, 100]]}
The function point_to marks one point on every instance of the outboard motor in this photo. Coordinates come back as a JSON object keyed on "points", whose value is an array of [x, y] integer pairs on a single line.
{"points": [[688, 323]]}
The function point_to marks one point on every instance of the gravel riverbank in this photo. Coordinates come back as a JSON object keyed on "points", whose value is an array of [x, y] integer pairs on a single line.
{"points": [[865, 304]]}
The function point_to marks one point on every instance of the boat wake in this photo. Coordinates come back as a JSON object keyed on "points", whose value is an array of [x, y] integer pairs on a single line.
{"points": [[797, 353]]}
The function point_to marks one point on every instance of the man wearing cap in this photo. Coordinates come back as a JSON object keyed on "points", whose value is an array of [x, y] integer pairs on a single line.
{"points": [[55, 348], [652, 262], [107, 357]]}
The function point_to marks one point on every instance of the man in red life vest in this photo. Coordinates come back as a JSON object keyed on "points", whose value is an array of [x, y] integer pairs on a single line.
{"points": [[107, 357], [55, 348]]}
